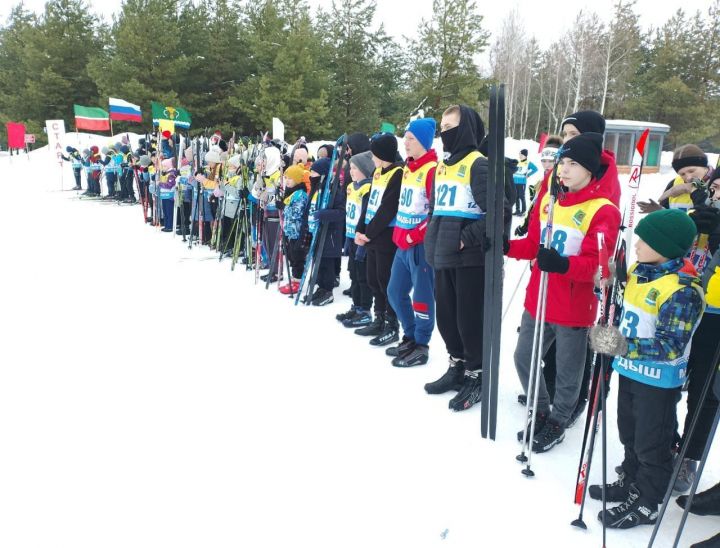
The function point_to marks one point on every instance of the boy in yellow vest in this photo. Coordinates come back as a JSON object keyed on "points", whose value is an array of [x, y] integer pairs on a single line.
{"points": [[455, 245], [662, 307], [411, 274], [583, 209]]}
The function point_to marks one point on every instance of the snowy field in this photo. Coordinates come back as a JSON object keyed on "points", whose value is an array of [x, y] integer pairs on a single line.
{"points": [[150, 397]]}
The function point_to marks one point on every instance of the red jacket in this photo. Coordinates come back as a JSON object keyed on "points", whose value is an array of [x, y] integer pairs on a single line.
{"points": [[571, 300], [417, 234]]}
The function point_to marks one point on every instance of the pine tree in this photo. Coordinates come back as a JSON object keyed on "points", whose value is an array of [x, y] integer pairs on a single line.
{"points": [[444, 68]]}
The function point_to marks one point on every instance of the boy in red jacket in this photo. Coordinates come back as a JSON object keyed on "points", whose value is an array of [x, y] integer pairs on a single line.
{"points": [[410, 271], [584, 207]]}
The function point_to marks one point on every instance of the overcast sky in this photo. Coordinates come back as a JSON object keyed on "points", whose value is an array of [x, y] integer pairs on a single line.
{"points": [[545, 19]]}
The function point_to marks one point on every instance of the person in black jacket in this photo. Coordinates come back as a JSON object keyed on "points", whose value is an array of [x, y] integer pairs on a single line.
{"points": [[375, 231], [455, 246]]}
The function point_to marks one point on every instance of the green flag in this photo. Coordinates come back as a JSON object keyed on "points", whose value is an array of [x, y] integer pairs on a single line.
{"points": [[180, 116], [387, 127]]}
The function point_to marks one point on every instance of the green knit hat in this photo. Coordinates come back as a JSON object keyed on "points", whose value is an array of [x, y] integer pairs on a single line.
{"points": [[670, 232]]}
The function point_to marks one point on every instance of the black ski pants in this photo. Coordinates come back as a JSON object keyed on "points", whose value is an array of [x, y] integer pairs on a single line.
{"points": [[360, 290], [701, 365], [646, 418], [459, 303], [379, 264]]}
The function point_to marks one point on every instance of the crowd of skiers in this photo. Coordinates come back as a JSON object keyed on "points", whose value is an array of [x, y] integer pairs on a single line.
{"points": [[413, 232]]}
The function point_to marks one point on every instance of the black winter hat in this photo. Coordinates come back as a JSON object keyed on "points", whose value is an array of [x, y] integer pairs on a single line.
{"points": [[585, 149], [524, 152], [385, 147], [689, 155], [586, 121]]}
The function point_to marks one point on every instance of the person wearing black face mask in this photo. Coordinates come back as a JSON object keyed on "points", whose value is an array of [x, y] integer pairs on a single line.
{"points": [[455, 246]]}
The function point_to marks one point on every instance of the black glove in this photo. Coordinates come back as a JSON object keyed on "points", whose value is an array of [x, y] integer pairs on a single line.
{"points": [[506, 245], [706, 219], [280, 204], [549, 260]]}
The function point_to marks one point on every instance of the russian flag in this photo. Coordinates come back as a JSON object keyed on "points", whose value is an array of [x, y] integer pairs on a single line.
{"points": [[122, 110]]}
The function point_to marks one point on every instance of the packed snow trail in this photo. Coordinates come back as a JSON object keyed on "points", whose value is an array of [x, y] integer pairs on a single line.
{"points": [[149, 398]]}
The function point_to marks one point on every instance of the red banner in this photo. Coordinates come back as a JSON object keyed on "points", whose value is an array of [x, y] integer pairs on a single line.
{"points": [[543, 140], [16, 135]]}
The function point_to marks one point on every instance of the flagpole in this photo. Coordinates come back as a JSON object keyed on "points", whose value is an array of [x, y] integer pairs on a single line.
{"points": [[111, 129]]}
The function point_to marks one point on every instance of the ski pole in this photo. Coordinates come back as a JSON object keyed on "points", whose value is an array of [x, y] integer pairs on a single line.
{"points": [[684, 448]]}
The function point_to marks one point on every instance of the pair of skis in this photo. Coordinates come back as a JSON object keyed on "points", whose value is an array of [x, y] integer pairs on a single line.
{"points": [[327, 190], [494, 219]]}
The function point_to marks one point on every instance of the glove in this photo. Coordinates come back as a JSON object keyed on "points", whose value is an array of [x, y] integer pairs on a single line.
{"points": [[649, 206], [280, 204], [706, 219], [608, 340], [549, 260], [506, 245]]}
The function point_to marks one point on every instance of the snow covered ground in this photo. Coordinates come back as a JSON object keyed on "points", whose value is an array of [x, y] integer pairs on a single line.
{"points": [[151, 397]]}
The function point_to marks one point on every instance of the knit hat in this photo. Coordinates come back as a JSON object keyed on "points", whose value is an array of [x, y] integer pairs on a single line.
{"points": [[424, 131], [586, 121], [145, 160], [104, 150], [585, 149], [94, 149], [548, 153], [670, 232], [524, 152], [295, 173], [212, 156], [166, 134], [235, 161], [167, 164], [364, 163], [384, 147], [689, 155], [321, 166]]}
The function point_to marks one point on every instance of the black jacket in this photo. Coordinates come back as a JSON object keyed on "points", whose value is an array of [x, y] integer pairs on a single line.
{"points": [[379, 230], [444, 234], [334, 216]]}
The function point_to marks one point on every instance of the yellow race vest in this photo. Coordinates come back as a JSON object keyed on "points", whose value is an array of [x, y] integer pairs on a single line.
{"points": [[641, 307], [414, 201], [453, 195], [377, 191], [570, 224], [684, 201], [353, 207]]}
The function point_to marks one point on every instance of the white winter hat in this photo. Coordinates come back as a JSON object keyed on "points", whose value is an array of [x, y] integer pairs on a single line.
{"points": [[548, 153], [234, 161], [272, 160], [212, 156]]}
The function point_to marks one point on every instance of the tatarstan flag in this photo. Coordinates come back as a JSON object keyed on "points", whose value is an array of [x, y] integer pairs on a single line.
{"points": [[91, 118]]}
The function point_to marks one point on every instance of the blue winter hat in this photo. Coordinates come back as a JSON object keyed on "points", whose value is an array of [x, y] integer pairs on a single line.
{"points": [[321, 167], [424, 131]]}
